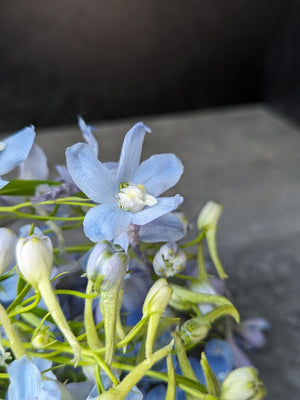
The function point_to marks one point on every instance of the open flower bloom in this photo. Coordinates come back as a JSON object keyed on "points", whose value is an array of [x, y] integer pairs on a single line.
{"points": [[14, 150], [130, 196]]}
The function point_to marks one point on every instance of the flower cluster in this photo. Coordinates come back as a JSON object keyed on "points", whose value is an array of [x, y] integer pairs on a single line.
{"points": [[134, 312]]}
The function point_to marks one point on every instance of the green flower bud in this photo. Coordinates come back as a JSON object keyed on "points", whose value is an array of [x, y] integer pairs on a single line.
{"points": [[106, 265], [8, 241], [169, 260], [209, 215], [243, 384], [41, 340], [35, 258], [157, 298], [194, 330]]}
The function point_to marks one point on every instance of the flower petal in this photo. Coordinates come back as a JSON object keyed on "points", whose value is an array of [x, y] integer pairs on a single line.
{"points": [[89, 174], [35, 166], [122, 240], [159, 173], [106, 221], [164, 206], [131, 152], [25, 379], [3, 183], [16, 149], [88, 135], [167, 228]]}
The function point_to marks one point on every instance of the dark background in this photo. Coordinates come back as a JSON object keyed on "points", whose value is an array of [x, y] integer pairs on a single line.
{"points": [[110, 59]]}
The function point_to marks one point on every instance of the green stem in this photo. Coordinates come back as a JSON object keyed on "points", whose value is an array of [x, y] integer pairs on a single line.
{"points": [[15, 343], [91, 332], [123, 388], [202, 273], [109, 304], [49, 298]]}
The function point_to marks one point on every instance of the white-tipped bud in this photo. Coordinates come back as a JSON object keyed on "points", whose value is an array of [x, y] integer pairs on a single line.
{"points": [[169, 260], [209, 215], [157, 298], [106, 265], [8, 241], [35, 258], [243, 384]]}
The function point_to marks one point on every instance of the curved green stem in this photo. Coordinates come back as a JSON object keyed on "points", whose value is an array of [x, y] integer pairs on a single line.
{"points": [[51, 302], [14, 341], [91, 332]]}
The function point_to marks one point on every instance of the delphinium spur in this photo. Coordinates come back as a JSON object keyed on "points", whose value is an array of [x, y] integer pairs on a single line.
{"points": [[134, 312]]}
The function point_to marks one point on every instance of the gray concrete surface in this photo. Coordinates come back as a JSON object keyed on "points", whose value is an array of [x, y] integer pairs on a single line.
{"points": [[248, 160]]}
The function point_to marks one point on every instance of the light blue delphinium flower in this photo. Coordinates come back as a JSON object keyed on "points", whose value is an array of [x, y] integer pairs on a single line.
{"points": [[27, 382], [131, 195], [14, 150]]}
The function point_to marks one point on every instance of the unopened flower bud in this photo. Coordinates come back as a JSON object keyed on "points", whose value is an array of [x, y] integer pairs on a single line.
{"points": [[243, 384], [106, 265], [157, 298], [35, 258], [209, 215], [194, 330], [8, 241], [169, 260], [41, 340]]}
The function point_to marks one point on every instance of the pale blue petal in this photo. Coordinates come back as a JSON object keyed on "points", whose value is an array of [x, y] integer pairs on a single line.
{"points": [[131, 152], [25, 379], [79, 390], [94, 394], [106, 221], [16, 150], [49, 391], [122, 240], [35, 166], [159, 173], [112, 166], [164, 206], [64, 174], [3, 183], [134, 394], [89, 174], [8, 288], [88, 135], [167, 228]]}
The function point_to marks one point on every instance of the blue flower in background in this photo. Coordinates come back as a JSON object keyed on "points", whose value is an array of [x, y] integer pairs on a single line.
{"points": [[219, 356], [129, 196], [14, 150]]}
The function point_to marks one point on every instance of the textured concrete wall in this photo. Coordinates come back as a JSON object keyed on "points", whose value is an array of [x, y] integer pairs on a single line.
{"points": [[116, 58]]}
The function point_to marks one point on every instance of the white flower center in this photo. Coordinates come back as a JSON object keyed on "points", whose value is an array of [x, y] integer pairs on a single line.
{"points": [[2, 146], [133, 197]]}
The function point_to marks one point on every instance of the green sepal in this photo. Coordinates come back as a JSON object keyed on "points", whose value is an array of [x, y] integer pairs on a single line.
{"points": [[183, 298], [212, 248], [171, 389], [212, 382]]}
